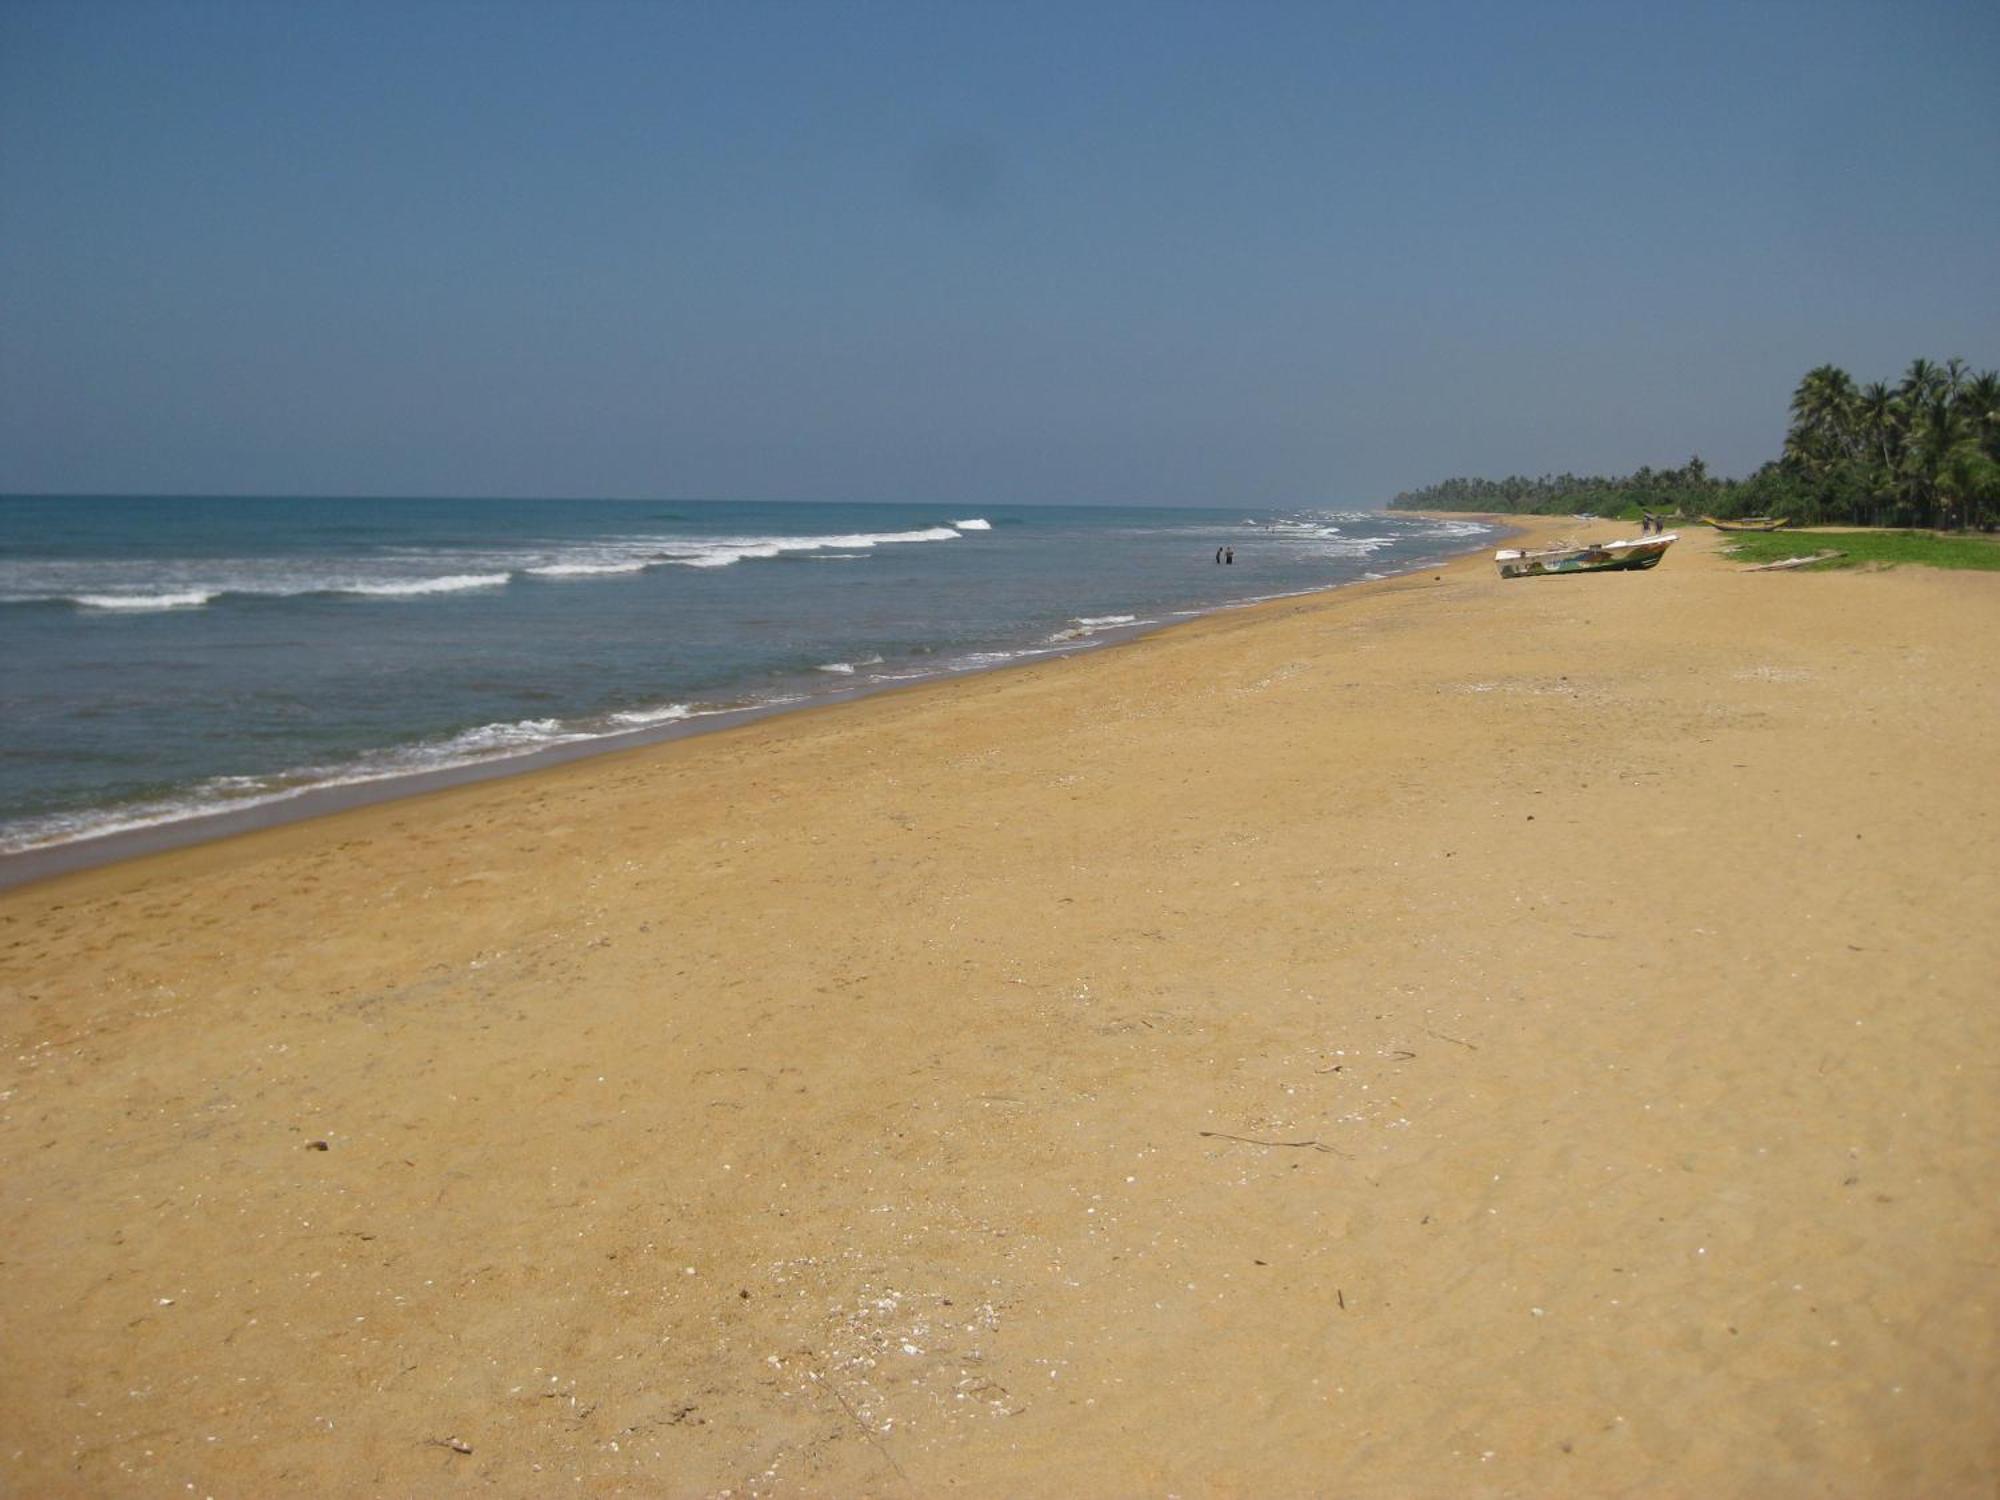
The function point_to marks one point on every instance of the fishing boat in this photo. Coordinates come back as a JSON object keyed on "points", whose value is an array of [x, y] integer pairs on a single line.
{"points": [[1795, 562], [1590, 557], [1750, 523]]}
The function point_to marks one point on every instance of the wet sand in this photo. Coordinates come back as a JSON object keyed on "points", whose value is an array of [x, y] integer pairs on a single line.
{"points": [[1444, 1037]]}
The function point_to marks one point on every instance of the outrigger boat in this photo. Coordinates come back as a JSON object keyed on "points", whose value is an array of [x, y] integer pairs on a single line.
{"points": [[1750, 523], [1795, 562], [1592, 557]]}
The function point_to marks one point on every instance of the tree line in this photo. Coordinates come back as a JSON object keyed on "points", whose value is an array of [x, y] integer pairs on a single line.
{"points": [[1924, 452]]}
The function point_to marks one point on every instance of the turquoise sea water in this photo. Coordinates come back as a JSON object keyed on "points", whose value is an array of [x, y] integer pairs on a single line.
{"points": [[170, 658]]}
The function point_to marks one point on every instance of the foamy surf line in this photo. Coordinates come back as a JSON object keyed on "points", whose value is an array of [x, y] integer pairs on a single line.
{"points": [[224, 582], [452, 584], [483, 745], [191, 599], [196, 598], [225, 805], [1083, 627]]}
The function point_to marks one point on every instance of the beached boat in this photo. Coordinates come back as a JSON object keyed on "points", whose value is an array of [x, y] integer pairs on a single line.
{"points": [[1592, 557], [1795, 562], [1750, 523]]}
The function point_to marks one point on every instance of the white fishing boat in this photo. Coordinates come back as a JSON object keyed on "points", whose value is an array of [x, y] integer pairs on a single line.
{"points": [[1589, 557], [1750, 523]]}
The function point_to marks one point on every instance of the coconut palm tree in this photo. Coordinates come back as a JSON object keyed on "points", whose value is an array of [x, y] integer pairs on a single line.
{"points": [[1823, 428], [1918, 380], [1980, 397], [1941, 429], [1880, 417], [1969, 485]]}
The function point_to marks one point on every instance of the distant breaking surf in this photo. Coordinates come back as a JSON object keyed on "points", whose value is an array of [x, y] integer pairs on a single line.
{"points": [[239, 580]]}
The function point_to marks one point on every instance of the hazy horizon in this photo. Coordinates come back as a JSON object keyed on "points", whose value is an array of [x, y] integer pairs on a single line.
{"points": [[1263, 255]]}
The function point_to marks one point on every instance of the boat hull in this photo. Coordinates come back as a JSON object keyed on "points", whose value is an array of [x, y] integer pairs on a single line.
{"points": [[1603, 557], [1748, 524]]}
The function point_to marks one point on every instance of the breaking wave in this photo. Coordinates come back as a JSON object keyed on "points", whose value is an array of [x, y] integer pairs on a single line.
{"points": [[190, 599], [195, 585], [451, 583]]}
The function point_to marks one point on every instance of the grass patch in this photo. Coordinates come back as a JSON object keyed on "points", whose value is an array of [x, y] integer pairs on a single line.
{"points": [[1889, 549]]}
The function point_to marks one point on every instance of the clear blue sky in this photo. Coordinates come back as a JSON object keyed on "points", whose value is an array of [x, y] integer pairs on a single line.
{"points": [[1153, 253]]}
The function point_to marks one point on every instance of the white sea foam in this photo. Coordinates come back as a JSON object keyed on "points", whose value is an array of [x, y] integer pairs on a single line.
{"points": [[1456, 529], [1357, 546], [413, 573], [1323, 538], [588, 569], [846, 668], [718, 556], [974, 660], [975, 524], [637, 718], [1085, 626], [451, 584], [724, 551], [246, 580], [226, 794], [64, 828], [879, 538], [281, 587], [502, 737], [187, 599]]}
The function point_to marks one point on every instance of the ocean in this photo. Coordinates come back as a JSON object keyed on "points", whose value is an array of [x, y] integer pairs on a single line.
{"points": [[168, 659]]}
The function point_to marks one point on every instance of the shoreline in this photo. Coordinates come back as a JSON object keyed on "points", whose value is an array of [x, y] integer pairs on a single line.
{"points": [[94, 851], [1452, 1036]]}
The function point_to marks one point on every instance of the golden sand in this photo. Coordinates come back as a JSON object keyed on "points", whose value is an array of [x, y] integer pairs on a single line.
{"points": [[1444, 1037]]}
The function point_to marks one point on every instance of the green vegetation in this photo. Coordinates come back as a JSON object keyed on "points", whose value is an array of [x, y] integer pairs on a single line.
{"points": [[1687, 490], [1924, 549], [1925, 452]]}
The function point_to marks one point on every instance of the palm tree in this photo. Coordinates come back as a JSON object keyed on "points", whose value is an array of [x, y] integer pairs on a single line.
{"points": [[1822, 432], [1970, 484], [1941, 429], [1980, 398], [1880, 415]]}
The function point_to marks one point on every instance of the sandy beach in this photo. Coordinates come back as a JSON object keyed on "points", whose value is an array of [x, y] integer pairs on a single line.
{"points": [[1441, 1037]]}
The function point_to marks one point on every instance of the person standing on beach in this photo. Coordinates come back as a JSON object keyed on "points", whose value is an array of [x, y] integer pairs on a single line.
{"points": [[1229, 554], [1218, 554]]}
